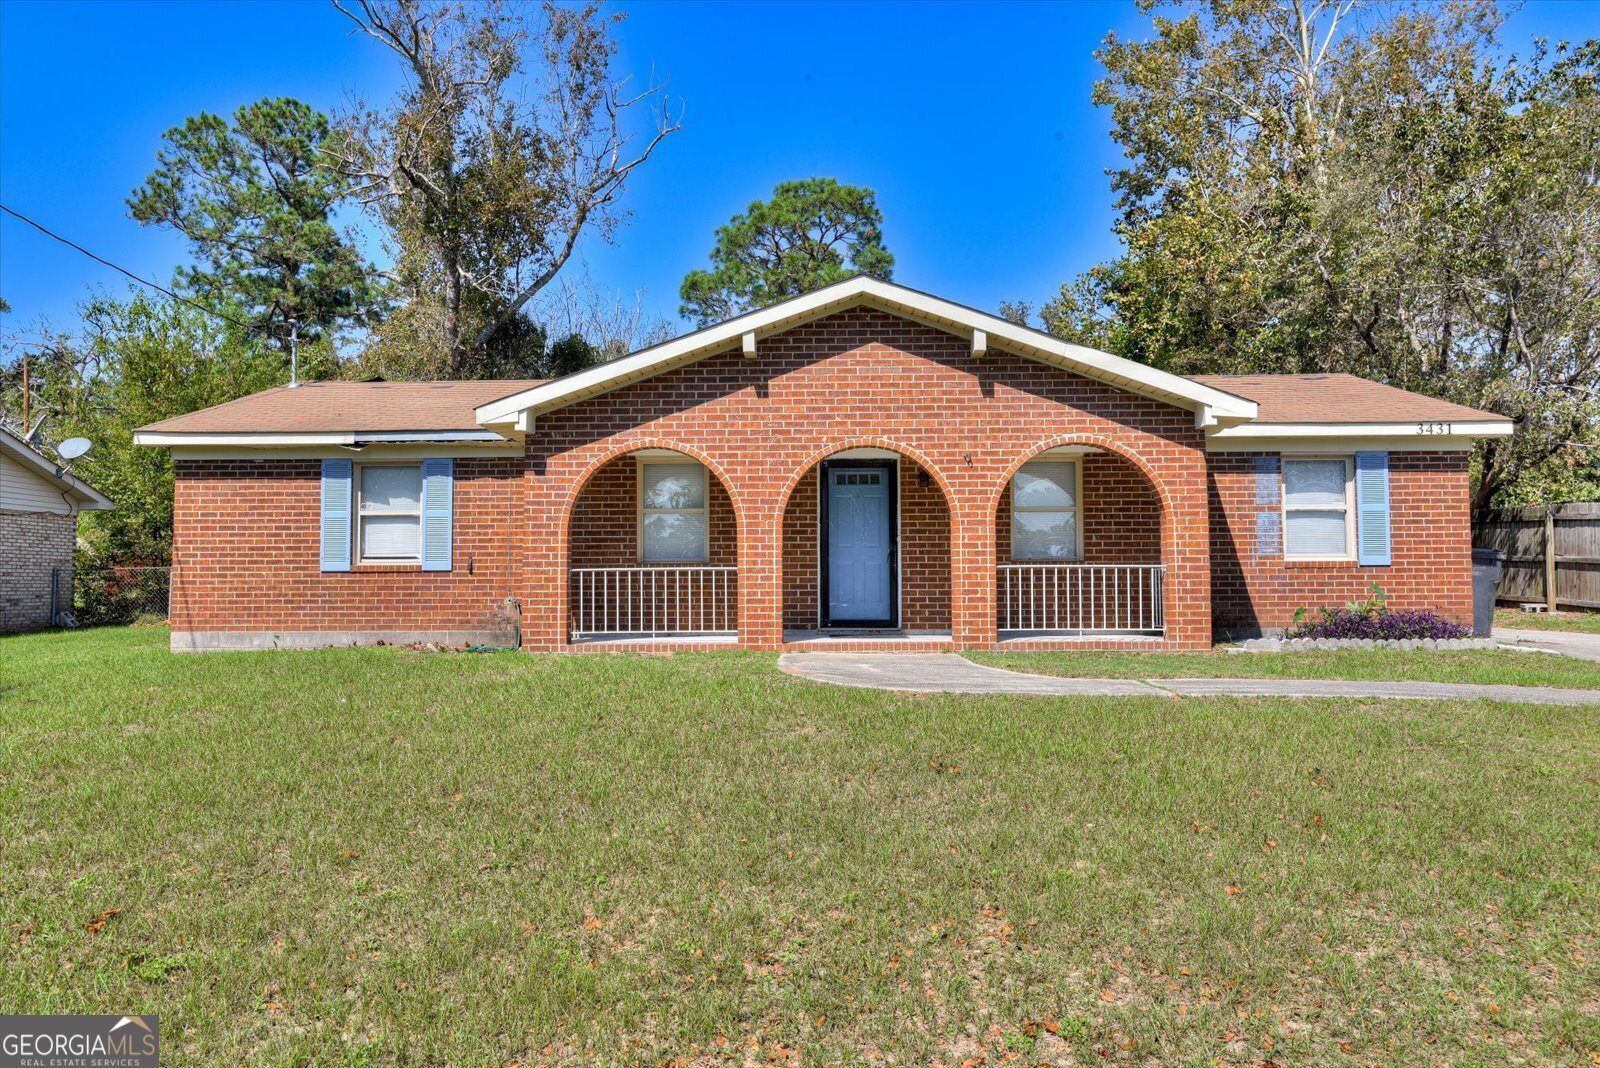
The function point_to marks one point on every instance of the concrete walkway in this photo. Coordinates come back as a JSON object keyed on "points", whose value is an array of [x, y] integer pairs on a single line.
{"points": [[1565, 642], [949, 673]]}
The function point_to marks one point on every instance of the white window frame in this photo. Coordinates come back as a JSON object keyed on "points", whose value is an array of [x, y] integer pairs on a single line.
{"points": [[1349, 506], [1077, 511], [640, 511], [358, 513]]}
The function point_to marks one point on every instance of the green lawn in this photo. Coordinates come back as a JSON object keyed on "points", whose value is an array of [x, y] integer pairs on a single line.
{"points": [[1582, 622], [1488, 666], [381, 857]]}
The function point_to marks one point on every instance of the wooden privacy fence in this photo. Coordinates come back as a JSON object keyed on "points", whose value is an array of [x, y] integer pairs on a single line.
{"points": [[1552, 553]]}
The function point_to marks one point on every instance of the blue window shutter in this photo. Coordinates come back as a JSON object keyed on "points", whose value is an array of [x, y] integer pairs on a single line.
{"points": [[1269, 535], [1269, 524], [1266, 480], [1372, 507], [438, 503], [336, 498]]}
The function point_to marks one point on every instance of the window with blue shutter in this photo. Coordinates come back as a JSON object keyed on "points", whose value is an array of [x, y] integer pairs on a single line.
{"points": [[1372, 508], [335, 534], [438, 504]]}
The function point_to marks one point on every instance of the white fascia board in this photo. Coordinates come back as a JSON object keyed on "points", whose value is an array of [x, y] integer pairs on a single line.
{"points": [[376, 451], [1115, 370], [1422, 430], [1322, 445], [343, 437]]}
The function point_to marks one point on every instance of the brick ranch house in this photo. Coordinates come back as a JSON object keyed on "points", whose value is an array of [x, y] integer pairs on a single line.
{"points": [[865, 466]]}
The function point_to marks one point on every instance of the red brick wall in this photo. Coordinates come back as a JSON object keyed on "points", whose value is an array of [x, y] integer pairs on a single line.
{"points": [[245, 554], [1430, 535], [924, 553], [859, 378]]}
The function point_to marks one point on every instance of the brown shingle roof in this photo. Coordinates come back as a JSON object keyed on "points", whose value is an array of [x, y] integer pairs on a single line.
{"points": [[372, 407], [365, 407], [1338, 398]]}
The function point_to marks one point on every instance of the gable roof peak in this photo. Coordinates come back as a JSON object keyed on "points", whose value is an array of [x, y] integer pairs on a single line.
{"points": [[1211, 404]]}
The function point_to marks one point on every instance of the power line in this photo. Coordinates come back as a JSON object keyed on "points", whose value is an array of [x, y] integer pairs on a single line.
{"points": [[142, 281]]}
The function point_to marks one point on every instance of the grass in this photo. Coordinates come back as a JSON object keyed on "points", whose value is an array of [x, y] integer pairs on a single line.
{"points": [[381, 857], [1486, 666], [1580, 622]]}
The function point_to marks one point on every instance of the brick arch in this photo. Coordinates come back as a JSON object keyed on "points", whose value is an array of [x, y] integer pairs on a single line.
{"points": [[915, 455], [1168, 513], [578, 483], [917, 597], [1094, 441]]}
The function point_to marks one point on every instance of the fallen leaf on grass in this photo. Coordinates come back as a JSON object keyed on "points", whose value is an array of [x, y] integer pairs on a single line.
{"points": [[98, 924]]}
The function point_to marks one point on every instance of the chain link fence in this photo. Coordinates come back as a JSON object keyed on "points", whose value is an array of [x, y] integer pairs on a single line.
{"points": [[98, 596]]}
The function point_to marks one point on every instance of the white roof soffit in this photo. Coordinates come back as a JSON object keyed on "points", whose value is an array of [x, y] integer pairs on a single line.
{"points": [[89, 498], [274, 440], [1216, 404]]}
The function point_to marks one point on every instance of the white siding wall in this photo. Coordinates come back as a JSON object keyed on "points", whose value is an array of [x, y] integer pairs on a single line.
{"points": [[23, 491]]}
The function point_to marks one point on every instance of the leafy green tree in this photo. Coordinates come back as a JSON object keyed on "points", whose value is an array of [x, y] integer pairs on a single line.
{"points": [[812, 233], [1390, 198], [138, 361], [486, 178], [255, 198]]}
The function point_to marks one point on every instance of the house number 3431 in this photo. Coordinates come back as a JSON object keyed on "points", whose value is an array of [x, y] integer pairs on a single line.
{"points": [[1433, 428]]}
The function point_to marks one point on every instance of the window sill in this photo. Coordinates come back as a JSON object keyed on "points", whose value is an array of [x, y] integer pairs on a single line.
{"points": [[1337, 561], [388, 565]]}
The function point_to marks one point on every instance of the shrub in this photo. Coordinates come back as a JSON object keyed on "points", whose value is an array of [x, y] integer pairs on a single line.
{"points": [[1371, 619]]}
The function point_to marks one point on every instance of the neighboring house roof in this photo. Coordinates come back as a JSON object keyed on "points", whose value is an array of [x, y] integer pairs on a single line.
{"points": [[348, 411], [1339, 398], [40, 466], [1210, 404]]}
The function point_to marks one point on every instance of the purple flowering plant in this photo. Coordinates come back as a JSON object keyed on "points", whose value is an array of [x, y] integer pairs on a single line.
{"points": [[1372, 619]]}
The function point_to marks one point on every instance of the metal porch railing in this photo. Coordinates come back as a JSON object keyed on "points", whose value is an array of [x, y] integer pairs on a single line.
{"points": [[653, 601], [1081, 598]]}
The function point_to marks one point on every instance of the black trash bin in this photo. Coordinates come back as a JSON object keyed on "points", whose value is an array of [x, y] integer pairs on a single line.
{"points": [[1486, 565]]}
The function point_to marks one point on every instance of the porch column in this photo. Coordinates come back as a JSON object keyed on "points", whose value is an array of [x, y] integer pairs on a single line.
{"points": [[761, 576], [1186, 552], [972, 578], [541, 583]]}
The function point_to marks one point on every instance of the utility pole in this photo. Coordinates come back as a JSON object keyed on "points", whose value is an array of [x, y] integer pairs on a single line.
{"points": [[27, 392], [294, 352]]}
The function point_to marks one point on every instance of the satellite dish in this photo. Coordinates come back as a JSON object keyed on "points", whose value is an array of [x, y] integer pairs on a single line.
{"points": [[73, 448]]}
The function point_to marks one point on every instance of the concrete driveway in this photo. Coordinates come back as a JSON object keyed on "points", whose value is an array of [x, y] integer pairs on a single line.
{"points": [[1565, 642], [949, 673]]}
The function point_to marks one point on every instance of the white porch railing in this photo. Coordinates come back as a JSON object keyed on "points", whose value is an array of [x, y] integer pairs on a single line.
{"points": [[653, 601], [1081, 598]]}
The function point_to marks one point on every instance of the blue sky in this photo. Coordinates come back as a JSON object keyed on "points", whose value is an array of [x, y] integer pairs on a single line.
{"points": [[972, 122]]}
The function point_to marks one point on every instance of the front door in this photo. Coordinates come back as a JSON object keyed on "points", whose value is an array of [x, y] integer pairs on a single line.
{"points": [[858, 563]]}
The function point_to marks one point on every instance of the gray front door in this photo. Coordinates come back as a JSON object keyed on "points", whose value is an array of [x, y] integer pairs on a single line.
{"points": [[859, 564]]}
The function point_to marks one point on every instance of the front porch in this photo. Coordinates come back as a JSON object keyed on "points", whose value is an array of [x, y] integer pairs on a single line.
{"points": [[867, 561]]}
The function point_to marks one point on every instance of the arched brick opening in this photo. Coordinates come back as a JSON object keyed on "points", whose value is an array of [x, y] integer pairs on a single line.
{"points": [[1124, 535], [609, 586], [925, 533]]}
